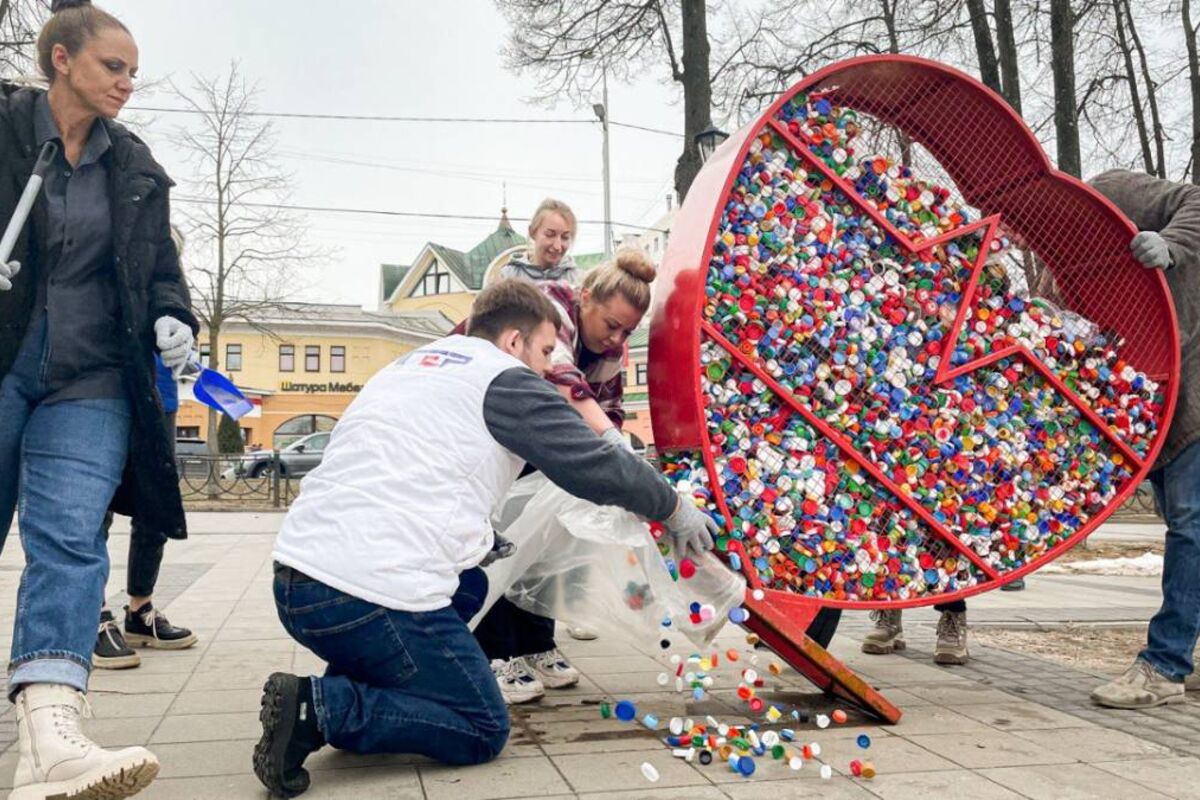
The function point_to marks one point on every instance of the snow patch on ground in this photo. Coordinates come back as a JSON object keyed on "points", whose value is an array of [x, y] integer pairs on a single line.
{"points": [[1147, 564]]}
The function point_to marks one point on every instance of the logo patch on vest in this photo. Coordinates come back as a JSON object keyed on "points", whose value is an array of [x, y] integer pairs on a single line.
{"points": [[443, 358]]}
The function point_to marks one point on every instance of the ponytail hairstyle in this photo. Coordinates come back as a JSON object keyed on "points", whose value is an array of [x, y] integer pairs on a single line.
{"points": [[629, 273], [73, 23]]}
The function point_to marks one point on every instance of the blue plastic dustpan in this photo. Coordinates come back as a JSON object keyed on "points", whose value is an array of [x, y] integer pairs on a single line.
{"points": [[216, 391]]}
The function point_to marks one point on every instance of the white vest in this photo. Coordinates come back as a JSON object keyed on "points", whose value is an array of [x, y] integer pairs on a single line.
{"points": [[400, 503]]}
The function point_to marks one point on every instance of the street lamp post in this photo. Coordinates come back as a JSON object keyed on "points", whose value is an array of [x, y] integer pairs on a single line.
{"points": [[708, 140], [601, 110]]}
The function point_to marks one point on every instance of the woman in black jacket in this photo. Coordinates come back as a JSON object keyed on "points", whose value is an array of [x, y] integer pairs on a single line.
{"points": [[94, 289]]}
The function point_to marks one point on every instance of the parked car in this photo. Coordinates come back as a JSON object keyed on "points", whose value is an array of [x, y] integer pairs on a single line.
{"points": [[296, 460]]}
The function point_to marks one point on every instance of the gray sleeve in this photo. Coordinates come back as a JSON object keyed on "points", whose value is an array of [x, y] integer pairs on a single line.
{"points": [[1153, 204], [528, 417]]}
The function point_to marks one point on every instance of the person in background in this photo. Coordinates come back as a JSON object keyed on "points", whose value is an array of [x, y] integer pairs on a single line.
{"points": [[145, 626], [587, 369], [93, 290], [371, 559], [1167, 215]]}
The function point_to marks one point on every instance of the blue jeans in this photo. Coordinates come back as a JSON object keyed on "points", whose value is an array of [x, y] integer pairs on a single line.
{"points": [[1174, 629], [60, 464], [397, 681]]}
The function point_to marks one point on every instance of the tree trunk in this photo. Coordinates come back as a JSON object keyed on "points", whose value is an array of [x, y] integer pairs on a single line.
{"points": [[1189, 34], [1151, 94], [989, 71], [1139, 114], [1010, 65], [1066, 116], [697, 92]]}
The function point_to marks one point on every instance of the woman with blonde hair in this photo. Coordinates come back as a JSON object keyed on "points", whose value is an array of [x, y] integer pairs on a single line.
{"points": [[588, 368], [552, 232]]}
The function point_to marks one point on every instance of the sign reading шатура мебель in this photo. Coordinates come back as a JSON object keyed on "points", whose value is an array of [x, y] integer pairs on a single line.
{"points": [[320, 388]]}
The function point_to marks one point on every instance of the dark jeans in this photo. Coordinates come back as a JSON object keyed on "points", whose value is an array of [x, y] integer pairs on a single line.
{"points": [[397, 681], [507, 632], [1173, 630], [145, 547]]}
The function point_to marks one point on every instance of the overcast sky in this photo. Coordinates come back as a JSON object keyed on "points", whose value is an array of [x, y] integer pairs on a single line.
{"points": [[404, 58]]}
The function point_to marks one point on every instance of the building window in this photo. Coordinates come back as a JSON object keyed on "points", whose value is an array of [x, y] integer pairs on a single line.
{"points": [[436, 280], [312, 358], [287, 358], [337, 359], [233, 357], [187, 431], [641, 374], [205, 354]]}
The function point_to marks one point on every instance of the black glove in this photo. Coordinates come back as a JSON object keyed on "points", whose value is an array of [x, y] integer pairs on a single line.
{"points": [[501, 548]]}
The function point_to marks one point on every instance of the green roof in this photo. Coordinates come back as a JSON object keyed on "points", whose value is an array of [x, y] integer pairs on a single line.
{"points": [[586, 261], [481, 255], [640, 338], [392, 274]]}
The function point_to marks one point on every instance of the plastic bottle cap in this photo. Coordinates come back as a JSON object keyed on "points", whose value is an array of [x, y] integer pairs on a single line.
{"points": [[826, 772], [626, 710], [649, 772], [863, 741]]}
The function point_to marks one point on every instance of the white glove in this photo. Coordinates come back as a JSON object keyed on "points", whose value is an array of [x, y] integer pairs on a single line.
{"points": [[175, 342], [615, 436], [691, 530], [1151, 250], [7, 272]]}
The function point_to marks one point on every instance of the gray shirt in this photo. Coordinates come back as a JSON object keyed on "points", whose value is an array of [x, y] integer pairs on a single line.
{"points": [[77, 289], [1172, 210], [525, 415]]}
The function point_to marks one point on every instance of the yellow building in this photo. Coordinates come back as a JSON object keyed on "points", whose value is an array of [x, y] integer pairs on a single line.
{"points": [[307, 367]]}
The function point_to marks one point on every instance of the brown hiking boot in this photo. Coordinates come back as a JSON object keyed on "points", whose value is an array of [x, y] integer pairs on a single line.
{"points": [[888, 635], [951, 645]]}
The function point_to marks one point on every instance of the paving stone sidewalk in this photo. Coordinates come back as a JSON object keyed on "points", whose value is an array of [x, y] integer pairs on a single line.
{"points": [[1006, 726]]}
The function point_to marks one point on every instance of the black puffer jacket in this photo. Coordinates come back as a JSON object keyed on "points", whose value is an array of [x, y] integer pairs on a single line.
{"points": [[150, 285]]}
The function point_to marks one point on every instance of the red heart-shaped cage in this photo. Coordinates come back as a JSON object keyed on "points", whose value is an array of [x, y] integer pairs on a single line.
{"points": [[899, 354]]}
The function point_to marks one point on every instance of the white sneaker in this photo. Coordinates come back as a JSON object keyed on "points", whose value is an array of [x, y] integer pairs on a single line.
{"points": [[581, 633], [553, 669], [517, 683], [58, 760]]}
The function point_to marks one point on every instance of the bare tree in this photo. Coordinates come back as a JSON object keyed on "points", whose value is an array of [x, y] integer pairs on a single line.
{"points": [[1193, 70], [1009, 56], [248, 253], [1066, 115], [20, 21], [569, 45]]}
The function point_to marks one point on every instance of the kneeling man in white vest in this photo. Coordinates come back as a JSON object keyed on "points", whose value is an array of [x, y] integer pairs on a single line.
{"points": [[377, 563]]}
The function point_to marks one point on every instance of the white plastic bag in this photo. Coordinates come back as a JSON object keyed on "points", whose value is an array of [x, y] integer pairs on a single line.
{"points": [[599, 567]]}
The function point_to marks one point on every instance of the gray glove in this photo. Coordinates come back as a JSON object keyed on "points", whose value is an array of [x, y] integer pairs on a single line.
{"points": [[501, 548], [175, 342], [1151, 250], [616, 437], [691, 530], [7, 272]]}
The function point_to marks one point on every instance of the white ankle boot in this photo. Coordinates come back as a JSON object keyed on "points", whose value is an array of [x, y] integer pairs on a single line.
{"points": [[57, 760]]}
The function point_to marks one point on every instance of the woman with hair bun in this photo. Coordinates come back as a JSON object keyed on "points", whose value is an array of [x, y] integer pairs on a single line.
{"points": [[94, 290], [588, 369]]}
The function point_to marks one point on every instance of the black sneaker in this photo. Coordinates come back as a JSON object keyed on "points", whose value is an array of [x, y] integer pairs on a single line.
{"points": [[147, 627], [111, 651], [290, 734]]}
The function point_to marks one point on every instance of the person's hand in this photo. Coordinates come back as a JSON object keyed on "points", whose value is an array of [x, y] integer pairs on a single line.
{"points": [[175, 342], [691, 530], [1151, 250], [501, 548], [7, 272]]}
